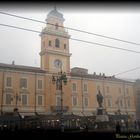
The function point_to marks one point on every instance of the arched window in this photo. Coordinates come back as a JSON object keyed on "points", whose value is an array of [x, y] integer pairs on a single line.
{"points": [[109, 102], [74, 88], [57, 43], [56, 26], [128, 102], [86, 101], [121, 103], [50, 43], [65, 46]]}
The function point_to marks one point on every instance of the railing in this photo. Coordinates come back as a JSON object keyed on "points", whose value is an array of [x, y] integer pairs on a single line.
{"points": [[57, 109]]}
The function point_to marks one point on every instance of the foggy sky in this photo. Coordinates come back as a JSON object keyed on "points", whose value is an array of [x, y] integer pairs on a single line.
{"points": [[23, 47]]}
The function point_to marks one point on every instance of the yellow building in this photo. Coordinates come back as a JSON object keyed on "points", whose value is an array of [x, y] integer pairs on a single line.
{"points": [[30, 89], [137, 98]]}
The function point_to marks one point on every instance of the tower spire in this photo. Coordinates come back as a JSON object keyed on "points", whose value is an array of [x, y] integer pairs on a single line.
{"points": [[55, 8]]}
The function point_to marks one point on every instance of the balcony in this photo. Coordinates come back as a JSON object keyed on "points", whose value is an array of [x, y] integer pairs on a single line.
{"points": [[57, 109]]}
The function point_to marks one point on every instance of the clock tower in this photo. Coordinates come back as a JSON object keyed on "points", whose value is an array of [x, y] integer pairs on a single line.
{"points": [[54, 53]]}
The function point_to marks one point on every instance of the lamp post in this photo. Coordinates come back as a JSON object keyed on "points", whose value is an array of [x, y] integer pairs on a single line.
{"points": [[59, 80]]}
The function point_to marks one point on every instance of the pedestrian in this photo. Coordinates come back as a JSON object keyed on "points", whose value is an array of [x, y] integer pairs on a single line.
{"points": [[135, 124], [118, 127], [86, 128]]}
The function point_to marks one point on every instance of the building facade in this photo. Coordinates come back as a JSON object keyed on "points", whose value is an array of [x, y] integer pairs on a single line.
{"points": [[137, 98], [30, 89]]}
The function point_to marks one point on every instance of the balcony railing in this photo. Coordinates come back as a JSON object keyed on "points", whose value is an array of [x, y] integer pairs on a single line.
{"points": [[57, 109]]}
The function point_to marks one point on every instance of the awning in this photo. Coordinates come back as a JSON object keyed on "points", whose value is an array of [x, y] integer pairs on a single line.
{"points": [[82, 114], [51, 117], [42, 113], [23, 114], [78, 113], [88, 114], [111, 113], [118, 117]]}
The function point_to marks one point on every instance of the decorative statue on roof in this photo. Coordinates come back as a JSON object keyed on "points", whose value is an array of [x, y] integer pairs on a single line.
{"points": [[100, 99]]}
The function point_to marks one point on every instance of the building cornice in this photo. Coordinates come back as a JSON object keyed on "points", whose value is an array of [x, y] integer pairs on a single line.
{"points": [[98, 78], [21, 69], [54, 33], [55, 52]]}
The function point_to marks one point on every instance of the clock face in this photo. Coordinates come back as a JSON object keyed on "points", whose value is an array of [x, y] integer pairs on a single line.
{"points": [[58, 63]]}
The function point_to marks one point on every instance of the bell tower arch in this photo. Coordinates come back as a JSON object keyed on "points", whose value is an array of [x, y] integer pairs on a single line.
{"points": [[54, 53]]}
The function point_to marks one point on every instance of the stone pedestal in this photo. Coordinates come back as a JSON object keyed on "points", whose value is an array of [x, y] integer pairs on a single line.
{"points": [[101, 111], [102, 118]]}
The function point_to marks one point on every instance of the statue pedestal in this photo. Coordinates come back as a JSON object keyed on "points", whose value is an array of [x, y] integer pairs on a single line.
{"points": [[101, 111], [102, 118]]}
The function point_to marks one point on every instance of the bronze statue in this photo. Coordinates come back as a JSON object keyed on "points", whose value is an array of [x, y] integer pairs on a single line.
{"points": [[100, 99]]}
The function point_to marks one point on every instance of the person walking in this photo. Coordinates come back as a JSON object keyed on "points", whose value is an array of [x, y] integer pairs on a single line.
{"points": [[118, 127]]}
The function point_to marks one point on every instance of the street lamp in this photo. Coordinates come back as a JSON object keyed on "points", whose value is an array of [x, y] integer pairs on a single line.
{"points": [[59, 80]]}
